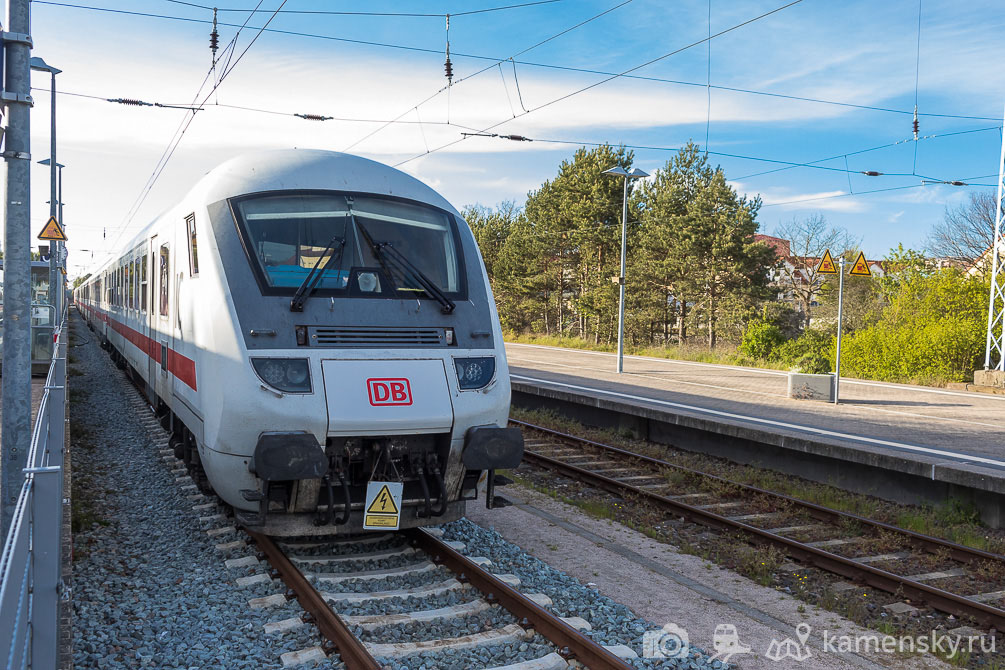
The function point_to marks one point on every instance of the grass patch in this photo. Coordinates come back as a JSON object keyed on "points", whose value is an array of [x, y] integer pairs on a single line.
{"points": [[724, 354], [82, 513], [80, 435]]}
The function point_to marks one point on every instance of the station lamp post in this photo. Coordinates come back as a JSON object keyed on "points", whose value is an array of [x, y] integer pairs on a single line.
{"points": [[61, 279], [634, 174], [40, 65]]}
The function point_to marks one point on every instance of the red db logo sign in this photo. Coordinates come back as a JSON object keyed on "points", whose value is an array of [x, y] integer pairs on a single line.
{"points": [[389, 391]]}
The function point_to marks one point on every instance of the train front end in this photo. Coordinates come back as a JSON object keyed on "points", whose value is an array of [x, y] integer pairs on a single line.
{"points": [[371, 389]]}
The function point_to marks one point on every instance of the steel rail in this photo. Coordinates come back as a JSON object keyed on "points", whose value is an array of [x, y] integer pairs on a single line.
{"points": [[957, 552], [354, 655], [885, 581], [570, 642]]}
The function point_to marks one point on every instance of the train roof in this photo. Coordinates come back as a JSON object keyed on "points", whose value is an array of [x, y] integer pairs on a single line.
{"points": [[299, 169]]}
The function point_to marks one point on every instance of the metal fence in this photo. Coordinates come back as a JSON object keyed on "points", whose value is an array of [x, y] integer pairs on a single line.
{"points": [[30, 567]]}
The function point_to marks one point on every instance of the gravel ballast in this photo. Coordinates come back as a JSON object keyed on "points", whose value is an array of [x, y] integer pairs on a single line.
{"points": [[150, 588]]}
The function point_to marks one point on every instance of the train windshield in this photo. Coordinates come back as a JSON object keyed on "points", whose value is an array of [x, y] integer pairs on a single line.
{"points": [[288, 235]]}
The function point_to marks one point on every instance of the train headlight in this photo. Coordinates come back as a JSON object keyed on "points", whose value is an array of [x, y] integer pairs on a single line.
{"points": [[474, 373], [292, 375]]}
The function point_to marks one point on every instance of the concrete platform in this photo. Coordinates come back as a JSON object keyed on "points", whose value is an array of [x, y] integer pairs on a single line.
{"points": [[905, 443]]}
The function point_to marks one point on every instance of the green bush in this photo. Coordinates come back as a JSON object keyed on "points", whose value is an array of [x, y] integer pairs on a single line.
{"points": [[760, 340], [812, 352], [933, 331]]}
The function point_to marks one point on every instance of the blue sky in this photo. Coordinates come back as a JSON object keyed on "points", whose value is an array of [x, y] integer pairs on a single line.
{"points": [[858, 53]]}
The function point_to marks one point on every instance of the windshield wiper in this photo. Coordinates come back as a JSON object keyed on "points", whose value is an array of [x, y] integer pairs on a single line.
{"points": [[313, 277], [385, 251]]}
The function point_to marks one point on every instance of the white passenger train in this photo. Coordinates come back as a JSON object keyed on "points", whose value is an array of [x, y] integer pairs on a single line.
{"points": [[308, 322]]}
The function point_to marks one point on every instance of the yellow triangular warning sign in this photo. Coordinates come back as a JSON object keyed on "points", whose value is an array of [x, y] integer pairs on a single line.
{"points": [[52, 231], [826, 266], [861, 267], [383, 503]]}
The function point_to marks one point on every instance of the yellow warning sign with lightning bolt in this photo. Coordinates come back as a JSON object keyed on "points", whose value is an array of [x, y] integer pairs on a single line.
{"points": [[826, 266], [383, 506], [861, 267]]}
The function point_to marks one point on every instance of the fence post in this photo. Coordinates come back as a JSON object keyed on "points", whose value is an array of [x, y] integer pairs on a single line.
{"points": [[46, 518]]}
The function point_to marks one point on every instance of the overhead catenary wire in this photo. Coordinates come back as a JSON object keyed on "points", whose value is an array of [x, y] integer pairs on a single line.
{"points": [[917, 80], [786, 165], [258, 110], [566, 96], [489, 67], [644, 147], [187, 122], [845, 195], [329, 12], [566, 68], [708, 78], [876, 148]]}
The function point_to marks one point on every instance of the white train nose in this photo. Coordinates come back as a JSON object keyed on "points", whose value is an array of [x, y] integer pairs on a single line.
{"points": [[387, 397]]}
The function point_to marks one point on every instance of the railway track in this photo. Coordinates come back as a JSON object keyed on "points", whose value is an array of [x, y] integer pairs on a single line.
{"points": [[378, 596], [304, 568], [946, 576]]}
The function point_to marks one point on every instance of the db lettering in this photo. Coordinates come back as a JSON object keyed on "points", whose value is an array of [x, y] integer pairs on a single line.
{"points": [[389, 392]]}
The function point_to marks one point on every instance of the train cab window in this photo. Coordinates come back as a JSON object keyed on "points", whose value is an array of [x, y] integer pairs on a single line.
{"points": [[288, 235], [143, 284], [165, 279], [193, 249]]}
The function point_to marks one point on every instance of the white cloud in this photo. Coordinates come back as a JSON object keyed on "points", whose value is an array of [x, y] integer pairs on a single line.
{"points": [[834, 201]]}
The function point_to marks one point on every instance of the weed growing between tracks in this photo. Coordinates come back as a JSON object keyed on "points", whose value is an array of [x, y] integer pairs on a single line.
{"points": [[767, 565]]}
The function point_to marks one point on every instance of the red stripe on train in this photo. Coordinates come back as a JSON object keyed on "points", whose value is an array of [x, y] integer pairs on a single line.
{"points": [[178, 364]]}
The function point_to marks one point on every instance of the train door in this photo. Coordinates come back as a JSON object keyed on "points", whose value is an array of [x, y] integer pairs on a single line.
{"points": [[164, 327], [153, 365], [185, 271]]}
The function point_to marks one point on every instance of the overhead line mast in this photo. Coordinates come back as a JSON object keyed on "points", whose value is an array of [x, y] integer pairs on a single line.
{"points": [[994, 356]]}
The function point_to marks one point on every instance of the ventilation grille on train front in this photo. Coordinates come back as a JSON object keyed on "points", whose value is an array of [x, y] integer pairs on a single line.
{"points": [[376, 337]]}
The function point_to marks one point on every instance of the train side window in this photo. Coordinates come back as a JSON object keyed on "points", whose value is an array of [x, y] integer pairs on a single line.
{"points": [[165, 279], [193, 249], [132, 285], [143, 284]]}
